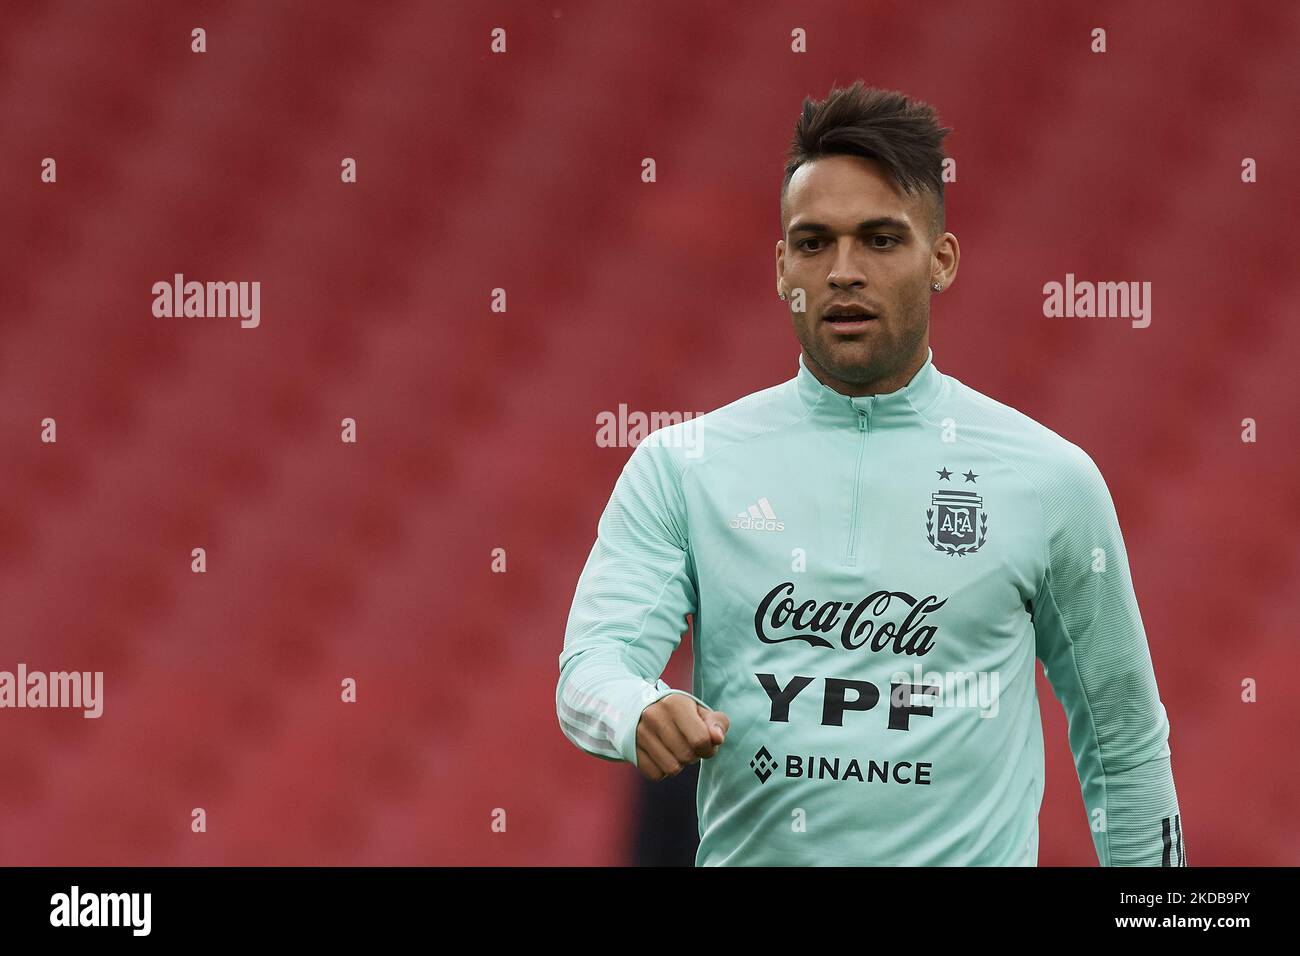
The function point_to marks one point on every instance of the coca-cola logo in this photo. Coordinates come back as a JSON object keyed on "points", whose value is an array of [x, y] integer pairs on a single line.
{"points": [[858, 624]]}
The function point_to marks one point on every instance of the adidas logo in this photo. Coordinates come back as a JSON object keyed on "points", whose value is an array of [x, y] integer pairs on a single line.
{"points": [[759, 517]]}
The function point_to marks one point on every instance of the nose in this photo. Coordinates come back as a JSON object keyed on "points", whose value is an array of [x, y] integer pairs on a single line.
{"points": [[846, 273]]}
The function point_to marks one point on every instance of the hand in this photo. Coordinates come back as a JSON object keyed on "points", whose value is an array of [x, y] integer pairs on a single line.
{"points": [[674, 732]]}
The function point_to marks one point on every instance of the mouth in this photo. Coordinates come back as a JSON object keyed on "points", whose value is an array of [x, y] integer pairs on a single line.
{"points": [[849, 319]]}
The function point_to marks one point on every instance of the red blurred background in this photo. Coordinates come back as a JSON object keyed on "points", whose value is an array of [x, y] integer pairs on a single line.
{"points": [[476, 429]]}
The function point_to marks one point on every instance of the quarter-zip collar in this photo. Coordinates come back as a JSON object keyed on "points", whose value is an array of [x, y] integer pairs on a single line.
{"points": [[890, 409]]}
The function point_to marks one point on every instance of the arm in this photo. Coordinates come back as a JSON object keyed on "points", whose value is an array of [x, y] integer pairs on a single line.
{"points": [[1090, 638], [629, 609]]}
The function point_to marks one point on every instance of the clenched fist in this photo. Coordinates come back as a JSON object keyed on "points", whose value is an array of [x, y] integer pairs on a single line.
{"points": [[674, 732]]}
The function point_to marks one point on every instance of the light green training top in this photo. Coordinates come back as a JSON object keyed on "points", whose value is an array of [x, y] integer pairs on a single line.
{"points": [[871, 580]]}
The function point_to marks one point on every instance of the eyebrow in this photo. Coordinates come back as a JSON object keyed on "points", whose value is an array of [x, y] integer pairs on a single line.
{"points": [[867, 225]]}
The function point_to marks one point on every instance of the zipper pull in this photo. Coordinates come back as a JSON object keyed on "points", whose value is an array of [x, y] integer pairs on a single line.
{"points": [[862, 420]]}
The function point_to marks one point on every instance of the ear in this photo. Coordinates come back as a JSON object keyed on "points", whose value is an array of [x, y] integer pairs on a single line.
{"points": [[946, 256]]}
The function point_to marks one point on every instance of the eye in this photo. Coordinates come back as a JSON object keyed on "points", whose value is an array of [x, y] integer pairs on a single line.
{"points": [[891, 239], [803, 244]]}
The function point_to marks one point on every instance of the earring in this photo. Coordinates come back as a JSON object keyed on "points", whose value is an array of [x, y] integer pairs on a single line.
{"points": [[936, 287], [780, 295]]}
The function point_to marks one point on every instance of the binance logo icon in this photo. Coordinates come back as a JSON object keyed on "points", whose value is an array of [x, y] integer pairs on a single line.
{"points": [[762, 765]]}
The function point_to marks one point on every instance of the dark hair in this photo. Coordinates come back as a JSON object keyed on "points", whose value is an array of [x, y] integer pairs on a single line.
{"points": [[904, 135]]}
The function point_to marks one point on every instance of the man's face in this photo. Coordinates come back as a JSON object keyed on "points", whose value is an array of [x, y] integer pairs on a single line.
{"points": [[853, 238]]}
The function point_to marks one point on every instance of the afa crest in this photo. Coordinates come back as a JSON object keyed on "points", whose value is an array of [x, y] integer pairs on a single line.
{"points": [[956, 523]]}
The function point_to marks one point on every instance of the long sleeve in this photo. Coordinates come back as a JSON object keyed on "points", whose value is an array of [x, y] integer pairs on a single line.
{"points": [[1090, 638], [629, 610]]}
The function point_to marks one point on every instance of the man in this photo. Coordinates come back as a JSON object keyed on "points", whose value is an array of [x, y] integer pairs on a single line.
{"points": [[874, 554]]}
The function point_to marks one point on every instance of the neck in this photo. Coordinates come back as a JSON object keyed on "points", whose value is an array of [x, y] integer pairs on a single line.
{"points": [[887, 383]]}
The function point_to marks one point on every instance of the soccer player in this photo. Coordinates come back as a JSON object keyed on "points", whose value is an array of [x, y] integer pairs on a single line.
{"points": [[874, 555]]}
